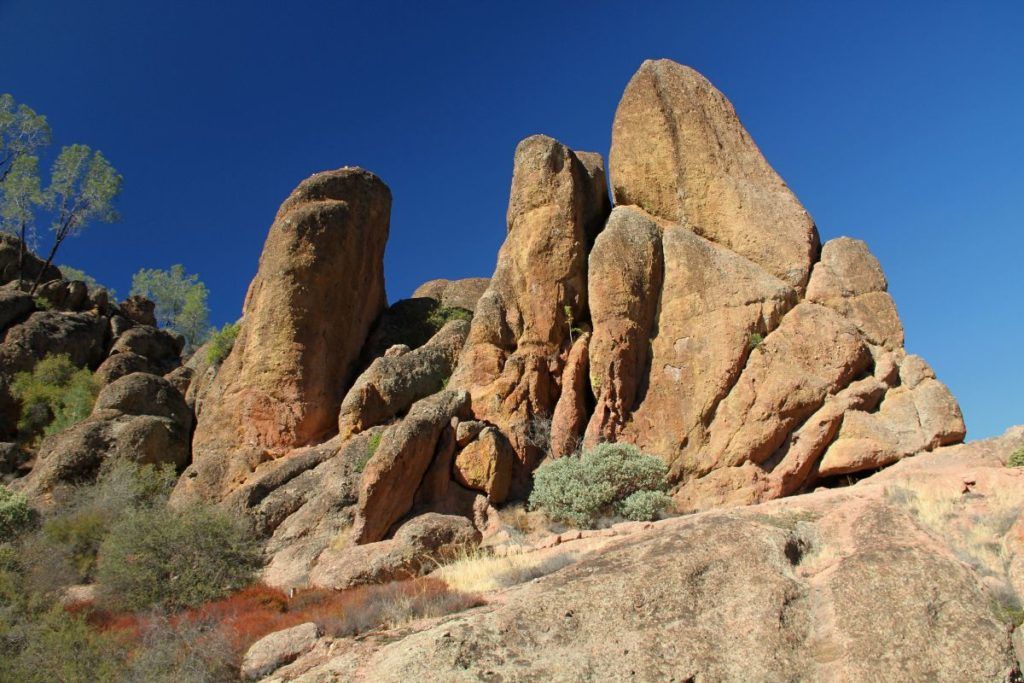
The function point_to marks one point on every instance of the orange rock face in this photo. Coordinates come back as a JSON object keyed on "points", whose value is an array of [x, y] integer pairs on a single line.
{"points": [[513, 359], [319, 287]]}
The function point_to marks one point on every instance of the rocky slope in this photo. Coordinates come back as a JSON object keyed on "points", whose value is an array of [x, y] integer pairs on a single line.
{"points": [[906, 576]]}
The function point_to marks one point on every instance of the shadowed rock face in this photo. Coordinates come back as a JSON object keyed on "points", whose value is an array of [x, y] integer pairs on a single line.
{"points": [[319, 287]]}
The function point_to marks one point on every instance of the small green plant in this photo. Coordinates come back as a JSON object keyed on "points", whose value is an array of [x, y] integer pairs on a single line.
{"points": [[755, 340], [42, 303], [581, 489], [595, 384], [15, 514], [172, 559], [54, 395], [221, 342], [1016, 458], [442, 315], [371, 448]]}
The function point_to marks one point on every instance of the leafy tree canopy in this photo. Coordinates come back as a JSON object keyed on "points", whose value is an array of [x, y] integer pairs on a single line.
{"points": [[180, 301]]}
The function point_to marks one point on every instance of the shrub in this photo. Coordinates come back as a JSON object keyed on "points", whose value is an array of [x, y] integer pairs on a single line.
{"points": [[15, 514], [755, 340], [221, 342], [54, 395], [645, 506], [90, 511], [1016, 458], [174, 559], [581, 489], [442, 315], [62, 647]]}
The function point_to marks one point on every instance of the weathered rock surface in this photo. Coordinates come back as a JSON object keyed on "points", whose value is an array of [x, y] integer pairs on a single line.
{"points": [[513, 359], [485, 464], [394, 382], [418, 546], [680, 153], [859, 583], [276, 649], [397, 466], [161, 348], [10, 257], [139, 417], [319, 287], [464, 293]]}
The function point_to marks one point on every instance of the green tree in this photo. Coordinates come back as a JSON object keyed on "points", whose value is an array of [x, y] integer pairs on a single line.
{"points": [[22, 132], [180, 301], [21, 196], [83, 187]]}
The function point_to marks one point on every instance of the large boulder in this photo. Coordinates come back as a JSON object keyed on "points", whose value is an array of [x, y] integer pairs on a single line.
{"points": [[10, 257], [464, 293], [513, 359], [161, 348], [680, 153], [398, 379], [319, 287], [398, 464], [417, 547], [140, 417], [276, 649], [903, 577]]}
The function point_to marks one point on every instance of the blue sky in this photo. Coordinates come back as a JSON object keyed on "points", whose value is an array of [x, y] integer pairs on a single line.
{"points": [[902, 127]]}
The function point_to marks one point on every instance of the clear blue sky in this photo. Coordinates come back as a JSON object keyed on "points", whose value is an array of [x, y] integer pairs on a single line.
{"points": [[901, 127]]}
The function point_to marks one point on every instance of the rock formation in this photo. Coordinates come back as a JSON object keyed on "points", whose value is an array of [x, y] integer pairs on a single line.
{"points": [[856, 583], [514, 356], [319, 288]]}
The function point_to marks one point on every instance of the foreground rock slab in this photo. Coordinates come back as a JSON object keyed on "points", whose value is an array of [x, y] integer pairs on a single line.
{"points": [[859, 583]]}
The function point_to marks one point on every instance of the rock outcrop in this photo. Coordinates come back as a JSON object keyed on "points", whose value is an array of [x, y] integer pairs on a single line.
{"points": [[319, 288], [858, 583], [515, 353], [139, 417], [464, 293]]}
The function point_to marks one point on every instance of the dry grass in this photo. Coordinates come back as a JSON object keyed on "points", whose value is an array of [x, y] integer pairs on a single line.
{"points": [[973, 526], [478, 572]]}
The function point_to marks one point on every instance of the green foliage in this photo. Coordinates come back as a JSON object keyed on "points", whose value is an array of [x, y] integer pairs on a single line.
{"points": [[442, 315], [22, 132], [90, 511], [21, 196], [71, 273], [180, 301], [645, 506], [15, 514], [171, 559], [42, 303], [1016, 458], [581, 489], [54, 395], [755, 340], [59, 646], [221, 342], [371, 448]]}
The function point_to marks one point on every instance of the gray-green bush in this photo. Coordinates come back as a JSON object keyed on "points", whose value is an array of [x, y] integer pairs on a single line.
{"points": [[15, 514], [172, 559], [580, 489], [1016, 458]]}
